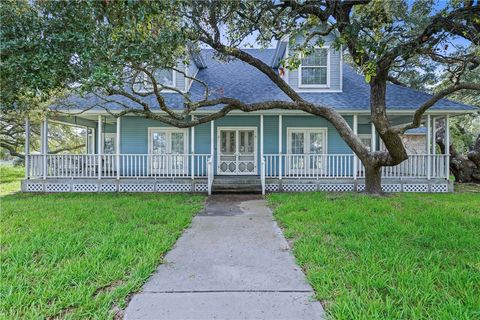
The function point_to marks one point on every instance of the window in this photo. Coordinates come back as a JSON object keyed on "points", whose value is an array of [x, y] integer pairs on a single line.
{"points": [[366, 140], [109, 143], [313, 71], [163, 76]]}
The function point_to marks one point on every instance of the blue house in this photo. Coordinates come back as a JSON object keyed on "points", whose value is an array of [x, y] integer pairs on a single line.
{"points": [[275, 150]]}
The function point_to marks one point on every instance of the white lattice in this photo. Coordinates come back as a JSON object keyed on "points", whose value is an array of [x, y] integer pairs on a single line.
{"points": [[108, 187], [174, 187], [34, 187], [415, 187], [360, 187], [299, 187], [335, 187], [439, 187], [271, 187], [391, 187], [85, 187], [136, 187], [57, 187], [201, 187]]}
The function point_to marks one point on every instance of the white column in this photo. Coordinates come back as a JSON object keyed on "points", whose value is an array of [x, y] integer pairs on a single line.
{"points": [[212, 138], [44, 135], [434, 135], [447, 147], [99, 146], [373, 146], [261, 136], [27, 148], [355, 132], [192, 150], [118, 151], [429, 146], [280, 147]]}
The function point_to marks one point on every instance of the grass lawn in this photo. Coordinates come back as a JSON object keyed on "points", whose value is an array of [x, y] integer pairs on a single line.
{"points": [[81, 255], [10, 177], [405, 256]]}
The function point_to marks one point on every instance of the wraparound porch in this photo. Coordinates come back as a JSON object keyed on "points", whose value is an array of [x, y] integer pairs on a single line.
{"points": [[311, 153]]}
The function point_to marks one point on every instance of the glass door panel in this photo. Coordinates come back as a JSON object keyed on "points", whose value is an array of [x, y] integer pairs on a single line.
{"points": [[237, 151], [316, 148], [297, 150]]}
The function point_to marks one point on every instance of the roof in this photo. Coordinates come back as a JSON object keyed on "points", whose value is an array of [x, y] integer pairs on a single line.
{"points": [[239, 80]]}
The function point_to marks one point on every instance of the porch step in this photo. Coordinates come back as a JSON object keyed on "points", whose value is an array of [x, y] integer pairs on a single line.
{"points": [[236, 184]]}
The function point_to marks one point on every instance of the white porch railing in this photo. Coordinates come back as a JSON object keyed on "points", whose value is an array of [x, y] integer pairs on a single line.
{"points": [[130, 165], [201, 165], [337, 166], [262, 174]]}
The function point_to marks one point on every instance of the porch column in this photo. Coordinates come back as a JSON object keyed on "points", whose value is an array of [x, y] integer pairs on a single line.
{"points": [[429, 146], [99, 146], [192, 150], [280, 147], [212, 138], [27, 148], [355, 132], [447, 147], [434, 135], [118, 150], [44, 136], [261, 137], [373, 141]]}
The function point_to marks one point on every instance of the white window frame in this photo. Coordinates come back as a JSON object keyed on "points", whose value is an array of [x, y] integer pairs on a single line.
{"points": [[143, 90], [307, 130], [109, 135], [312, 86], [169, 133], [366, 136]]}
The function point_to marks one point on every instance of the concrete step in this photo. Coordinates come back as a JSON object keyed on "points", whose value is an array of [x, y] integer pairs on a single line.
{"points": [[237, 188]]}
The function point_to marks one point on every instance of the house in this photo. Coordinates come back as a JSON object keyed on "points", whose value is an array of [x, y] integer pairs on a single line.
{"points": [[275, 150]]}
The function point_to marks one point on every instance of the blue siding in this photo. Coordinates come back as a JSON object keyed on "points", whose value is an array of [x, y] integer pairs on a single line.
{"points": [[134, 135]]}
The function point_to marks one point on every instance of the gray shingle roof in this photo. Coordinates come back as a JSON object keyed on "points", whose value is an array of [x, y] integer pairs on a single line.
{"points": [[242, 81]]}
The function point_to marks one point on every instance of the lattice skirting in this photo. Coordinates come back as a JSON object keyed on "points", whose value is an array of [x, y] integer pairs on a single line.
{"points": [[415, 187], [174, 187], [201, 187], [108, 187], [298, 187], [385, 187], [335, 187], [272, 187], [34, 187], [57, 187], [439, 187], [85, 187], [136, 187]]}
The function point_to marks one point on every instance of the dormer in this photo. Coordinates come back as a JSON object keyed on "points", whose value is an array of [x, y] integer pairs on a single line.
{"points": [[177, 79], [320, 71]]}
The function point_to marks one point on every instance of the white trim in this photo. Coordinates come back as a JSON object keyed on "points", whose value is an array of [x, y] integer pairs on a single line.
{"points": [[118, 150], [324, 130], [341, 69], [429, 146], [192, 150], [255, 151], [280, 145], [373, 130], [109, 135], [287, 112], [99, 146], [261, 137], [355, 131], [316, 86], [169, 131], [447, 147]]}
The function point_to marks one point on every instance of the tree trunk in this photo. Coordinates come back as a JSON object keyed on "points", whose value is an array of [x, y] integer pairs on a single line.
{"points": [[373, 179]]}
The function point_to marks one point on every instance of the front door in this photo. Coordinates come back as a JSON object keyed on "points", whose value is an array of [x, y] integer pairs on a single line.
{"points": [[168, 151], [306, 147], [237, 151]]}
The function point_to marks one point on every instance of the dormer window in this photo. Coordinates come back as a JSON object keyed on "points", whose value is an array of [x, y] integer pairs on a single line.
{"points": [[313, 70], [165, 77]]}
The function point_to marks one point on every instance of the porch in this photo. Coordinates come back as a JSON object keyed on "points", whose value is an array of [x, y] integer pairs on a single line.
{"points": [[189, 160]]}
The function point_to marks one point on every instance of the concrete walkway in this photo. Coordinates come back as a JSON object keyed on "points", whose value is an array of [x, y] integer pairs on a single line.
{"points": [[233, 263]]}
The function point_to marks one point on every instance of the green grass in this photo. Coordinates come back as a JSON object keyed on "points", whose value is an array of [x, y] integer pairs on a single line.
{"points": [[405, 256], [10, 177], [80, 256]]}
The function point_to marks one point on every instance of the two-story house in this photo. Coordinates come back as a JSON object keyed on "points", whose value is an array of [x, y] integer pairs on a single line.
{"points": [[274, 150]]}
